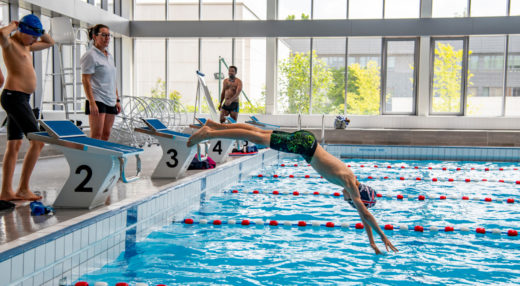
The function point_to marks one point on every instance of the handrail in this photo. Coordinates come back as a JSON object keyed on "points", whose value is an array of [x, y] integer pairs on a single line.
{"points": [[122, 161]]}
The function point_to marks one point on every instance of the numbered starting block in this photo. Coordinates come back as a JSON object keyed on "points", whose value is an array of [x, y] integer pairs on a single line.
{"points": [[219, 149], [95, 165], [176, 156]]}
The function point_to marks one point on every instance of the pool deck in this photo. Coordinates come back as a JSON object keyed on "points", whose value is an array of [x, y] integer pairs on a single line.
{"points": [[18, 226]]}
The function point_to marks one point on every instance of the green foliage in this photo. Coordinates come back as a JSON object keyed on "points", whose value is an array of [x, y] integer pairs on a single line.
{"points": [[303, 17], [447, 80], [295, 83], [363, 95]]}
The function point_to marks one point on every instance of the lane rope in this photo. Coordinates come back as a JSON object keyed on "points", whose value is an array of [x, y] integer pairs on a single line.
{"points": [[345, 225], [486, 169], [401, 178], [399, 197]]}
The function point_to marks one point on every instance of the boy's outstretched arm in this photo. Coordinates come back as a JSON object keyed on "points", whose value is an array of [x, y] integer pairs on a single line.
{"points": [[367, 218]]}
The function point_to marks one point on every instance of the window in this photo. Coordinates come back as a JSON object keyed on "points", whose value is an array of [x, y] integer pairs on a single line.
{"points": [[149, 67], [513, 77], [293, 75], [402, 9], [330, 9], [183, 10], [399, 92], [447, 81], [211, 50], [250, 59], [514, 7], [111, 6], [183, 61], [294, 10], [364, 76], [97, 3], [251, 10], [149, 10], [328, 75], [365, 9], [449, 8], [485, 92], [217, 10], [487, 8]]}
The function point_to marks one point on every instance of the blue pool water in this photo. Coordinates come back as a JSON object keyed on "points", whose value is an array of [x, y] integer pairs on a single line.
{"points": [[180, 254]]}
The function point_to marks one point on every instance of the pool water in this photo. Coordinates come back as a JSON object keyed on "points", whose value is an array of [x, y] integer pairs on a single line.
{"points": [[180, 254]]}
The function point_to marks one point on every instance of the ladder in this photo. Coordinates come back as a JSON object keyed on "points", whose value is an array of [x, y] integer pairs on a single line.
{"points": [[65, 35]]}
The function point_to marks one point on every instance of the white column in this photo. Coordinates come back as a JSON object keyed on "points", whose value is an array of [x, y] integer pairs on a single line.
{"points": [[423, 84], [271, 66]]}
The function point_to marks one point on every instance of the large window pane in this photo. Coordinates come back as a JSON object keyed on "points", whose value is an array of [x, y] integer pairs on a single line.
{"points": [[149, 10], [111, 6], [447, 76], [150, 67], [330, 9], [251, 10], [400, 77], [328, 75], [293, 75], [483, 8], [217, 10], [449, 8], [183, 61], [365, 9], [211, 50], [294, 9], [513, 77], [402, 8], [485, 76], [514, 8], [364, 76], [183, 10], [250, 59]]}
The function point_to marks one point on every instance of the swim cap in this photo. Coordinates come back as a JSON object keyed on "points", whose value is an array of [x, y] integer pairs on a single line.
{"points": [[367, 194], [31, 25]]}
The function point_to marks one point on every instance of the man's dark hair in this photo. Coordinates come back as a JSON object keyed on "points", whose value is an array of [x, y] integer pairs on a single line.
{"points": [[233, 67]]}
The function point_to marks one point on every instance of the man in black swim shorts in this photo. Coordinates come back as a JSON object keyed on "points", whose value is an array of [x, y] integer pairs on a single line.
{"points": [[302, 142], [232, 86], [17, 51]]}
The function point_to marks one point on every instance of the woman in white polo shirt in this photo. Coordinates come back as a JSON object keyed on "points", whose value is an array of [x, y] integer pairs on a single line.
{"points": [[99, 81]]}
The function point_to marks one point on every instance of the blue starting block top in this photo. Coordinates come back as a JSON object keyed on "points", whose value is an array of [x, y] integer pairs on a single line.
{"points": [[230, 119], [67, 131], [154, 124], [255, 120], [62, 128], [104, 144], [157, 126]]}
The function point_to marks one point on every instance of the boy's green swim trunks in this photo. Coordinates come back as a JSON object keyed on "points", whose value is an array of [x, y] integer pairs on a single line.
{"points": [[300, 142]]}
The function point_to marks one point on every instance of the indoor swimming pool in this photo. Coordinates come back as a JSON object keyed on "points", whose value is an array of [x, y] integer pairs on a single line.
{"points": [[453, 223]]}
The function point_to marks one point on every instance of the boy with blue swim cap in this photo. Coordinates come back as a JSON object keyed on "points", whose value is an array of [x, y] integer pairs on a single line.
{"points": [[19, 85], [302, 142]]}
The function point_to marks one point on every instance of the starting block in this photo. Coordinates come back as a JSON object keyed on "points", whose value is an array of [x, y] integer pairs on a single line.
{"points": [[258, 123], [219, 149], [95, 165], [176, 156]]}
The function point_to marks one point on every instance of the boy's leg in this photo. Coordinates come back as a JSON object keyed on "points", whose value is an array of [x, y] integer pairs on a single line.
{"points": [[27, 168], [206, 133], [9, 163], [218, 126]]}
